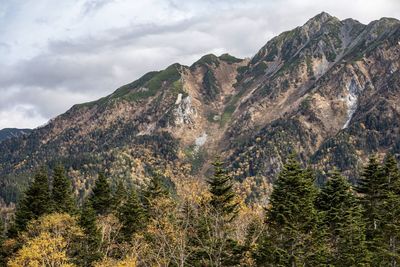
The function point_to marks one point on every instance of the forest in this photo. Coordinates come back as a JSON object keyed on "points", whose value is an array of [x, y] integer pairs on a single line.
{"points": [[207, 223]]}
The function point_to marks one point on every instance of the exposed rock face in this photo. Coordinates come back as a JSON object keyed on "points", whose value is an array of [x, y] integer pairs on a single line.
{"points": [[329, 90], [8, 133]]}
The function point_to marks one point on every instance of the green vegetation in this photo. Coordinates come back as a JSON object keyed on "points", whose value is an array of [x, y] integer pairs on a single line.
{"points": [[229, 59], [259, 69], [227, 115], [209, 59], [309, 66], [292, 237], [145, 87], [62, 196], [210, 85], [100, 198], [162, 79], [303, 225], [35, 203]]}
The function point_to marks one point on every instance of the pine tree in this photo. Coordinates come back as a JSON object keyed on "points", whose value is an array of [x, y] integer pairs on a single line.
{"points": [[342, 223], [35, 202], [131, 216], [291, 220], [100, 198], [90, 251], [62, 196]]}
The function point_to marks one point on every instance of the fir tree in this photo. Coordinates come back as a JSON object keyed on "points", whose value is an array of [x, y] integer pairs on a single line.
{"points": [[119, 196], [222, 195], [218, 247], [90, 251], [62, 196], [372, 186], [100, 198], [131, 216], [35, 202], [291, 220], [154, 189], [388, 253], [343, 223]]}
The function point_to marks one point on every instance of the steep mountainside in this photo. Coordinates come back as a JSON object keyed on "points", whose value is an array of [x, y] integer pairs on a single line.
{"points": [[329, 90], [7, 133]]}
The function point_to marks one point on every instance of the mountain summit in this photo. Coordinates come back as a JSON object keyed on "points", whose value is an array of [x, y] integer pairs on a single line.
{"points": [[328, 90]]}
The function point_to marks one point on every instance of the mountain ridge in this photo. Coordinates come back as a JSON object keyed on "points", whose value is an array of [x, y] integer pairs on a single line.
{"points": [[309, 90]]}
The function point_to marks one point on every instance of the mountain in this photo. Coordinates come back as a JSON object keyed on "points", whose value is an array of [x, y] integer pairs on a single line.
{"points": [[328, 90], [7, 133]]}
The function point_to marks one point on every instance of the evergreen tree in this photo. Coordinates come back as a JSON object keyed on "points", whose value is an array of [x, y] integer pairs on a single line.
{"points": [[291, 220], [214, 244], [100, 199], [90, 251], [119, 196], [35, 202], [342, 223], [131, 216], [388, 253], [222, 195], [154, 189], [372, 186], [62, 196]]}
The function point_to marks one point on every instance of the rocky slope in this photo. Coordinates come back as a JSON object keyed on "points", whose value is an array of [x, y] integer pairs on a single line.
{"points": [[328, 90], [7, 133]]}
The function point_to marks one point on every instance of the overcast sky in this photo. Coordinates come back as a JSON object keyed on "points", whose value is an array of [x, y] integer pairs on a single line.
{"points": [[54, 54]]}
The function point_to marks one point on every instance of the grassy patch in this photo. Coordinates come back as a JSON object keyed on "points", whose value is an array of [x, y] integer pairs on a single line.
{"points": [[207, 60], [230, 59], [168, 76]]}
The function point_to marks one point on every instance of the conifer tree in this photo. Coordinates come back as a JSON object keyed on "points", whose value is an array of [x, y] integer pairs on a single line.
{"points": [[372, 187], [388, 253], [342, 223], [215, 244], [90, 251], [100, 198], [119, 196], [62, 196], [291, 220], [131, 216], [222, 195], [34, 203], [154, 189]]}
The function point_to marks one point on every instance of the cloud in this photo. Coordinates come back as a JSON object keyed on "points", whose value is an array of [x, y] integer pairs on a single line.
{"points": [[56, 54]]}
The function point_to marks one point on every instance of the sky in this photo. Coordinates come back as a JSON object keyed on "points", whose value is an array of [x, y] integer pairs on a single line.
{"points": [[54, 54]]}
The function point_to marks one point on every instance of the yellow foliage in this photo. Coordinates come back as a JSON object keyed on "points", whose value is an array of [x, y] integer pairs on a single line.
{"points": [[56, 224], [47, 242], [128, 262], [43, 250]]}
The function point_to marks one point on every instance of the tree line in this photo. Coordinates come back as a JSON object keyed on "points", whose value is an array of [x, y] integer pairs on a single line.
{"points": [[338, 224]]}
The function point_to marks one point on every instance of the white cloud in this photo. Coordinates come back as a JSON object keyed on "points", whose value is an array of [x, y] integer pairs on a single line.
{"points": [[58, 53]]}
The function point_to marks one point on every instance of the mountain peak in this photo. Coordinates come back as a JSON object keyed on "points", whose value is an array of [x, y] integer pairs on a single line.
{"points": [[320, 18]]}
